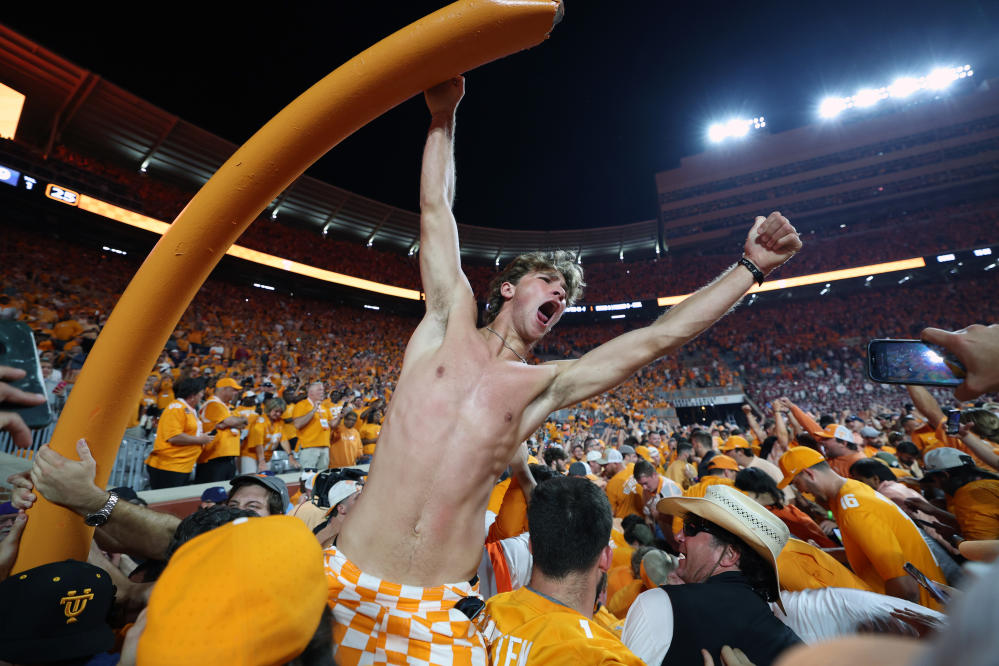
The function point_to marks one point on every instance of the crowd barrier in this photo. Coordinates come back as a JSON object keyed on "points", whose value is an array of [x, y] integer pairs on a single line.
{"points": [[129, 465]]}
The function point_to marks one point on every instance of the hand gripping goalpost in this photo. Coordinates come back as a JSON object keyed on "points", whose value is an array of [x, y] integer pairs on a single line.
{"points": [[452, 40]]}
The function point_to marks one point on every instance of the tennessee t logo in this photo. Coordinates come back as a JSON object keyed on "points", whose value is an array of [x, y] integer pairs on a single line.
{"points": [[73, 603]]}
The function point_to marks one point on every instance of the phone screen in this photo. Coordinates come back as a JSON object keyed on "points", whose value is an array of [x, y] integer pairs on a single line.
{"points": [[17, 350], [931, 587], [953, 421], [912, 362]]}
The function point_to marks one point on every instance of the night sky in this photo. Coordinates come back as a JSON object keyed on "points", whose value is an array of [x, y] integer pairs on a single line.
{"points": [[566, 135]]}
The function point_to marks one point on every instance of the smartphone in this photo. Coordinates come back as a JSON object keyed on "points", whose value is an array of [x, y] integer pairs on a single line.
{"points": [[18, 350], [953, 421], [935, 590], [912, 362]]}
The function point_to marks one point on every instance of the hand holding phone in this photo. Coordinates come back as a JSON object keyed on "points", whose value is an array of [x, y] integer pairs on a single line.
{"points": [[10, 395], [22, 394], [912, 362], [977, 347], [936, 590]]}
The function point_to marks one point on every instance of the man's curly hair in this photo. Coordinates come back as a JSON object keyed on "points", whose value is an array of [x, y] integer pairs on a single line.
{"points": [[559, 260]]}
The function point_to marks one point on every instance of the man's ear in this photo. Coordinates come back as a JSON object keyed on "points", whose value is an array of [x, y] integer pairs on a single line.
{"points": [[731, 557], [606, 557], [507, 289]]}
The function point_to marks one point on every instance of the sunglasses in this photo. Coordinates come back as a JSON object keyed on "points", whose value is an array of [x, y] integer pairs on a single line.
{"points": [[693, 526]]}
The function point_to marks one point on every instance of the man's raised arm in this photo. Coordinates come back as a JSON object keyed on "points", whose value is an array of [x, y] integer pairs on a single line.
{"points": [[770, 243], [440, 267]]}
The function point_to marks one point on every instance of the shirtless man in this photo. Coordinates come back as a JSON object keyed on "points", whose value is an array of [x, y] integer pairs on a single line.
{"points": [[466, 398]]}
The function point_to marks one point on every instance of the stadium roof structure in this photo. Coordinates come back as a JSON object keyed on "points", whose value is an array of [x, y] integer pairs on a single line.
{"points": [[67, 104]]}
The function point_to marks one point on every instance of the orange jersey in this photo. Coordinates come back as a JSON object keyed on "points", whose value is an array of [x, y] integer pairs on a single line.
{"points": [[879, 539], [265, 433], [345, 448], [621, 491], [524, 628], [802, 566], [317, 431], [178, 418], [369, 431], [251, 416], [976, 506], [226, 440]]}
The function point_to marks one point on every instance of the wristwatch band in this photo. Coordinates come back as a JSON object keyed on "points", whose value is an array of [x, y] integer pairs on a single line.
{"points": [[757, 273], [101, 517]]}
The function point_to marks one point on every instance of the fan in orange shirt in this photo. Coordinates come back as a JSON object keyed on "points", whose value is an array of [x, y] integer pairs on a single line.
{"points": [[878, 537], [550, 621], [346, 448], [179, 438], [369, 429], [217, 461], [761, 487]]}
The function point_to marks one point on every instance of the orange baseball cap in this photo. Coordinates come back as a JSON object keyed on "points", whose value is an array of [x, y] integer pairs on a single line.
{"points": [[249, 592], [795, 460], [228, 382], [735, 442], [722, 461], [833, 431]]}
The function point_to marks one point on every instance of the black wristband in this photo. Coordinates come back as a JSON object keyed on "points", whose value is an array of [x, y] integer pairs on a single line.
{"points": [[757, 273]]}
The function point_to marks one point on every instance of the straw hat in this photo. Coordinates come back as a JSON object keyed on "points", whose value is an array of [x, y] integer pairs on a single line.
{"points": [[730, 509]]}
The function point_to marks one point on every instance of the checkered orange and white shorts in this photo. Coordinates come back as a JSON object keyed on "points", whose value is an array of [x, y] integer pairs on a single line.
{"points": [[377, 622]]}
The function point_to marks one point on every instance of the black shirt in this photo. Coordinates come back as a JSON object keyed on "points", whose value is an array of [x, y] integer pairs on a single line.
{"points": [[724, 610]]}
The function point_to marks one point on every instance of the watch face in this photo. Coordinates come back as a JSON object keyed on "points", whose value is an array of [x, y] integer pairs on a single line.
{"points": [[95, 519]]}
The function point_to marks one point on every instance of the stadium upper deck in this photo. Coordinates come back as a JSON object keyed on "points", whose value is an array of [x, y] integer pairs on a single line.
{"points": [[823, 173]]}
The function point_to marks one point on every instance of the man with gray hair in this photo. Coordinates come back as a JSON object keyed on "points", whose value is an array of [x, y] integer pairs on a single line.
{"points": [[730, 546], [314, 423]]}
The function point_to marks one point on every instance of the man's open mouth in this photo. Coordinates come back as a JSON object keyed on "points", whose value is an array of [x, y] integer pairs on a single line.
{"points": [[546, 311]]}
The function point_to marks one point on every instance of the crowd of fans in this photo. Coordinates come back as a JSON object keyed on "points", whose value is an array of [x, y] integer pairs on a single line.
{"points": [[803, 353], [628, 535], [803, 524], [866, 240]]}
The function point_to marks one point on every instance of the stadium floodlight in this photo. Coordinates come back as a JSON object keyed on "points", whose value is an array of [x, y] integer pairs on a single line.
{"points": [[735, 128], [941, 258], [903, 87], [371, 307], [983, 252], [941, 77], [938, 79], [990, 266], [617, 316], [867, 97], [263, 286], [832, 107]]}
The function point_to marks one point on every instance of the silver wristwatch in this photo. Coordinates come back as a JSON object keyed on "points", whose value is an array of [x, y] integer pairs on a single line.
{"points": [[101, 517]]}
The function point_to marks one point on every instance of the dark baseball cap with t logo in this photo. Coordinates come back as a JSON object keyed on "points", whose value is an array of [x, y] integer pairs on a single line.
{"points": [[55, 612]]}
